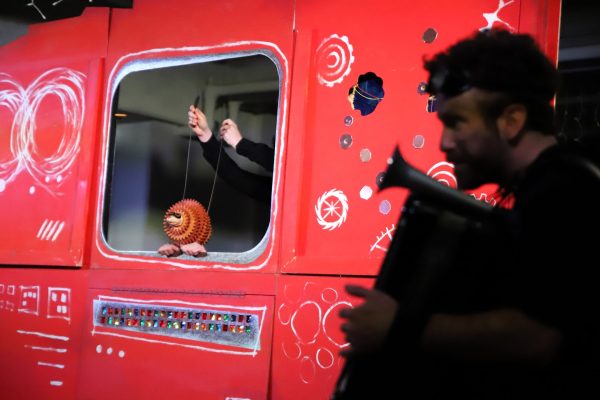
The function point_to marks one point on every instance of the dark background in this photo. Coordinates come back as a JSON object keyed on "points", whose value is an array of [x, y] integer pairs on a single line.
{"points": [[578, 100]]}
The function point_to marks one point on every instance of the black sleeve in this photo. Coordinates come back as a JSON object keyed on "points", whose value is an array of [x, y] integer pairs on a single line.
{"points": [[256, 186], [260, 153]]}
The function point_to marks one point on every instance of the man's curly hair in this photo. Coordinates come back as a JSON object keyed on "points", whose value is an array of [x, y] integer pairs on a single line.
{"points": [[511, 65]]}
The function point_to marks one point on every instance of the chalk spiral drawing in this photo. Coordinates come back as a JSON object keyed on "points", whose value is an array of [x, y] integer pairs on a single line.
{"points": [[334, 58], [443, 172], [49, 172]]}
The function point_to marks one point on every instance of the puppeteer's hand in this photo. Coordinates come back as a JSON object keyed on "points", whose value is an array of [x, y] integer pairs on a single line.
{"points": [[194, 249], [197, 121], [230, 133], [367, 325], [169, 250]]}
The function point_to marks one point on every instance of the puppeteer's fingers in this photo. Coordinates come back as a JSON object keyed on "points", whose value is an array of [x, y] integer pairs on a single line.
{"points": [[357, 291], [345, 312]]}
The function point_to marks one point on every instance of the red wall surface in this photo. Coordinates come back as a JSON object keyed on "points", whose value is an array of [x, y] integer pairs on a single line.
{"points": [[265, 329]]}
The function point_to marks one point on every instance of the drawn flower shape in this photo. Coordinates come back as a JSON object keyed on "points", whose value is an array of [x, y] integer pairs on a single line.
{"points": [[332, 209]]}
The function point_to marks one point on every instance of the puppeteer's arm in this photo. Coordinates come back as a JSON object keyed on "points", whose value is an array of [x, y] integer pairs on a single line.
{"points": [[256, 186], [502, 335], [259, 153]]}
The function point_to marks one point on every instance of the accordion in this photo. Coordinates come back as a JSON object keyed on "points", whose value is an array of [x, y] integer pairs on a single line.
{"points": [[433, 222]]}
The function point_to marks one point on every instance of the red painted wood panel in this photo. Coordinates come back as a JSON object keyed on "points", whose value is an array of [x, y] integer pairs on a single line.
{"points": [[307, 339], [42, 312], [155, 30], [336, 222], [49, 81], [326, 225], [173, 361]]}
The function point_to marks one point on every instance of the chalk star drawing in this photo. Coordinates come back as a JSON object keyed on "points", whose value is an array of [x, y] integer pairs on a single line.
{"points": [[492, 18], [332, 209]]}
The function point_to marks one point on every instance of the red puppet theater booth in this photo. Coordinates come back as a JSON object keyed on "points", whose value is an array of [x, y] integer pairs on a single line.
{"points": [[95, 147]]}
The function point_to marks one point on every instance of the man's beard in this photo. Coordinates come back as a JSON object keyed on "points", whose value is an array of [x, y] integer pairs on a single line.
{"points": [[471, 175]]}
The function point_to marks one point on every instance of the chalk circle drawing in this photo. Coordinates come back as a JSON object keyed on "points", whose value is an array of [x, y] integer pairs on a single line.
{"points": [[443, 172], [314, 350], [325, 358], [334, 58], [59, 303], [292, 294], [29, 300], [292, 354], [329, 295], [307, 335], [492, 18], [48, 171], [284, 314], [332, 209], [325, 319], [307, 369], [383, 240]]}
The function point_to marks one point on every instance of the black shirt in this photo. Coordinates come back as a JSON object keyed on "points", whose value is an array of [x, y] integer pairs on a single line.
{"points": [[541, 259], [254, 185]]}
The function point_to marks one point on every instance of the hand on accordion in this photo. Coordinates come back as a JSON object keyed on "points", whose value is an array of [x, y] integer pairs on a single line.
{"points": [[367, 325]]}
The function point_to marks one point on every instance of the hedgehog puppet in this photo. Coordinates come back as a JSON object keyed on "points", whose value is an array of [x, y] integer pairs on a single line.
{"points": [[187, 225]]}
